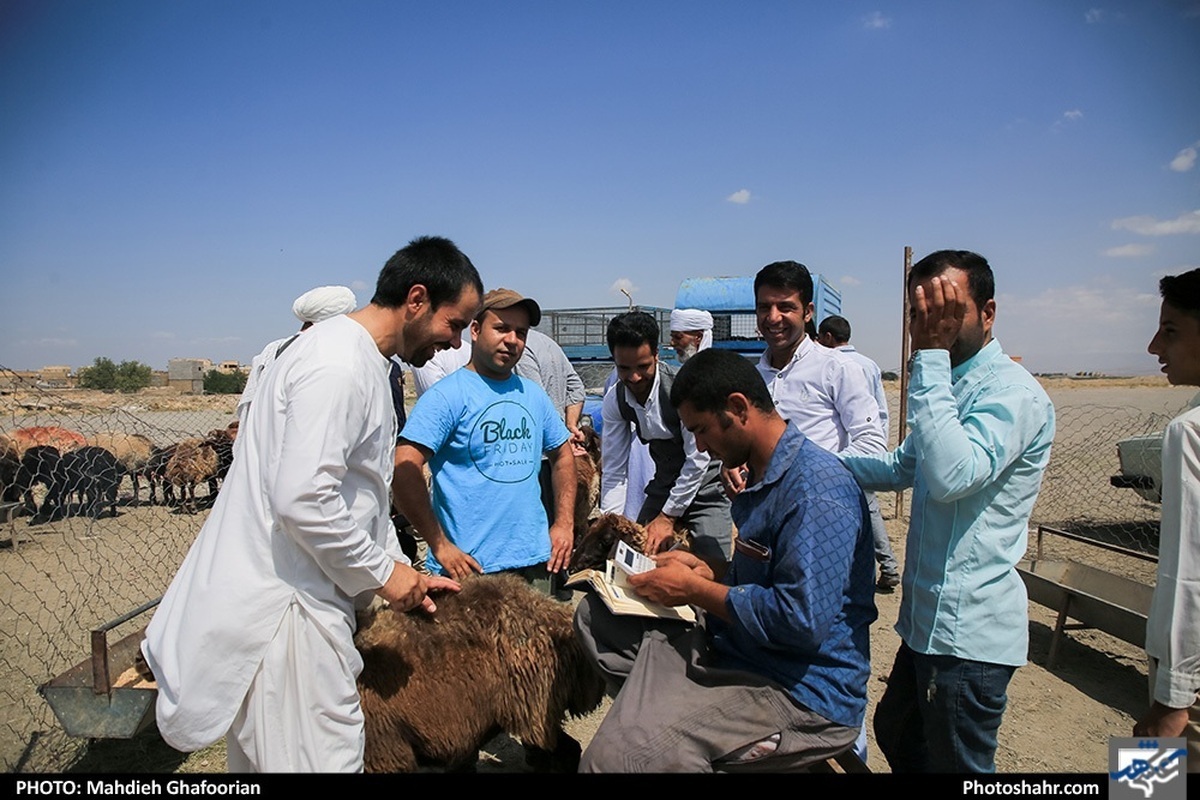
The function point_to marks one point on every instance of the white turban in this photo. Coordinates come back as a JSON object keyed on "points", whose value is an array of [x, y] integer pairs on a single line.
{"points": [[693, 319], [324, 302]]}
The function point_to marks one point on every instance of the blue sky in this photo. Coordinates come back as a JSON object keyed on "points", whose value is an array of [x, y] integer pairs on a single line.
{"points": [[175, 173]]}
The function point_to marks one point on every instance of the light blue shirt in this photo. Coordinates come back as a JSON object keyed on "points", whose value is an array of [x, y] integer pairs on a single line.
{"points": [[978, 445], [487, 438]]}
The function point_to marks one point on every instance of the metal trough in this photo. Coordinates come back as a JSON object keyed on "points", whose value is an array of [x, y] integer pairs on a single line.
{"points": [[1096, 598], [102, 697]]}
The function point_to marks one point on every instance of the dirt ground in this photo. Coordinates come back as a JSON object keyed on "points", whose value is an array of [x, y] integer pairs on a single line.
{"points": [[1058, 720]]}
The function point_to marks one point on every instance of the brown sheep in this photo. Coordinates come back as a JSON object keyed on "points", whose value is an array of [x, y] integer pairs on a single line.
{"points": [[222, 440], [600, 541], [155, 473], [497, 656], [194, 461], [587, 475], [131, 449]]}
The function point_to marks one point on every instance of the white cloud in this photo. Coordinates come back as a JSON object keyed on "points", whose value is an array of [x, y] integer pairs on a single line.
{"points": [[162, 335], [1068, 117], [876, 21], [623, 287], [1098, 301], [849, 280], [1186, 159], [358, 286], [741, 197], [1129, 251], [52, 342], [1188, 222], [1100, 325], [1094, 15]]}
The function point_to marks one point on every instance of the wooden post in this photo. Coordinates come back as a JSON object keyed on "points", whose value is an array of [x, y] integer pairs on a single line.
{"points": [[904, 354]]}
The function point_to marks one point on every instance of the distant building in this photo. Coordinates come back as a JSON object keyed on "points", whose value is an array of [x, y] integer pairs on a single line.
{"points": [[12, 380], [229, 367], [56, 377], [187, 374]]}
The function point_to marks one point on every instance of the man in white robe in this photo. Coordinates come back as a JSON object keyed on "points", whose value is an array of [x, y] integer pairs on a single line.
{"points": [[253, 639], [315, 305]]}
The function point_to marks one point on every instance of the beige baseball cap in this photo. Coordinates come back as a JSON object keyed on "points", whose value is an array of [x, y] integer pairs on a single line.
{"points": [[507, 298]]}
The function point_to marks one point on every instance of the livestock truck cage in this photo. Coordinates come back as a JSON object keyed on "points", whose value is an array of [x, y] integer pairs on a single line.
{"points": [[581, 332]]}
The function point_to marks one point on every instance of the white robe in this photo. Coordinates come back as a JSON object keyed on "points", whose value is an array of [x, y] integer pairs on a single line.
{"points": [[302, 517], [259, 363]]}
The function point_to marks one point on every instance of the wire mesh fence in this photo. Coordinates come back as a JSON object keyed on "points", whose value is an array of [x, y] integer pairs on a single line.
{"points": [[1077, 494], [66, 573]]}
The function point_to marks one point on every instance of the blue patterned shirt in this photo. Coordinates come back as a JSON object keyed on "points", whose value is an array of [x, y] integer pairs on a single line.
{"points": [[979, 441], [802, 612]]}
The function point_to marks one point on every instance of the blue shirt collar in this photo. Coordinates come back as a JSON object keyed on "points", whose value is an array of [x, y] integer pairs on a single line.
{"points": [[782, 458], [988, 353]]}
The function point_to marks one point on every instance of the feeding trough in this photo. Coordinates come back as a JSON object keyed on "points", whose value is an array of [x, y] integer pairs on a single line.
{"points": [[1095, 598], [103, 697]]}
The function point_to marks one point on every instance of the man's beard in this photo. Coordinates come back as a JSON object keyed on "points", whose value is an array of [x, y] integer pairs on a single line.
{"points": [[688, 351]]}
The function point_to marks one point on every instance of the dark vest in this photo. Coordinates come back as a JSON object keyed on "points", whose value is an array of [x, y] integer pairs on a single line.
{"points": [[668, 454]]}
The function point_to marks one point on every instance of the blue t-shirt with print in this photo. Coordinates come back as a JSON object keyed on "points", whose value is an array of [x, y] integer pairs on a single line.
{"points": [[487, 439]]}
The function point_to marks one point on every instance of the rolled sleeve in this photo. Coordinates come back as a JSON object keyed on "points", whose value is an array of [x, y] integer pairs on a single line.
{"points": [[857, 410], [690, 477]]}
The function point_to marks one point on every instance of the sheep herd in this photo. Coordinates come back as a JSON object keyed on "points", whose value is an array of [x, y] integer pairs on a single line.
{"points": [[81, 474]]}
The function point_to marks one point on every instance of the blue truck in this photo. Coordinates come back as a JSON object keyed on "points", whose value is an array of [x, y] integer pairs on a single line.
{"points": [[581, 331]]}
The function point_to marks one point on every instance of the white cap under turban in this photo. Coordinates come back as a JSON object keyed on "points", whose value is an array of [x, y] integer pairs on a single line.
{"points": [[324, 302], [693, 319]]}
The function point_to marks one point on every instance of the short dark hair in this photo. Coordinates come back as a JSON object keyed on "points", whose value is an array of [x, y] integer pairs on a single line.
{"points": [[431, 261], [1182, 291], [837, 327], [708, 378], [980, 281], [789, 275], [633, 329]]}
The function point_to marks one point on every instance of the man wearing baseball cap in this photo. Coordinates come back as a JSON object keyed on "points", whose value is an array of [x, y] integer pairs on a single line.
{"points": [[483, 430]]}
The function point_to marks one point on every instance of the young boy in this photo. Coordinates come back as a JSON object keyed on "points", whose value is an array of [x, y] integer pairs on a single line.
{"points": [[1173, 628]]}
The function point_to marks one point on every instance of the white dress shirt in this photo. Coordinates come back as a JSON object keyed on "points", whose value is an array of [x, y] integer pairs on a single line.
{"points": [[827, 396], [614, 447]]}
